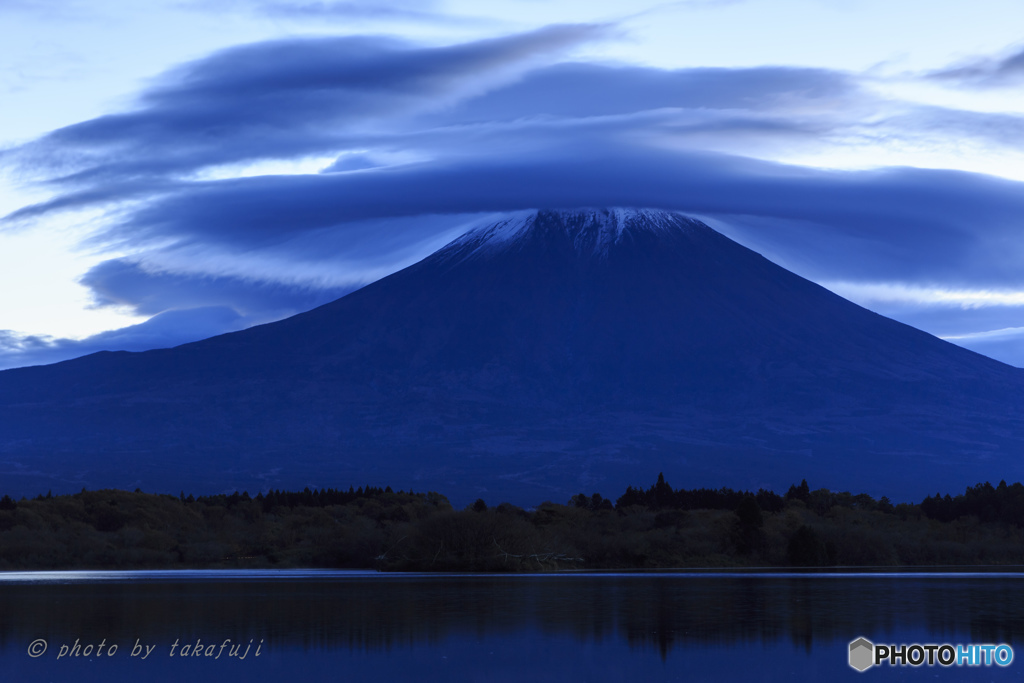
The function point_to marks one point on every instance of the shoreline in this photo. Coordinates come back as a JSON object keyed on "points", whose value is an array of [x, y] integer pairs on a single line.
{"points": [[312, 574]]}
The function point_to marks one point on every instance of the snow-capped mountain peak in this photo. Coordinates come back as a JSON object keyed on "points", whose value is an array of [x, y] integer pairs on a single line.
{"points": [[592, 231]]}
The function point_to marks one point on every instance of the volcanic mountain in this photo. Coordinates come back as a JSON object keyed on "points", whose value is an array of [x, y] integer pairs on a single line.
{"points": [[546, 354]]}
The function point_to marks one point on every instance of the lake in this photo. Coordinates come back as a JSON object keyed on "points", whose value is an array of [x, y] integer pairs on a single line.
{"points": [[366, 626]]}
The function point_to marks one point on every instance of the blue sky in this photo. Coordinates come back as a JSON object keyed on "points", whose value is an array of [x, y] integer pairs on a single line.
{"points": [[174, 170]]}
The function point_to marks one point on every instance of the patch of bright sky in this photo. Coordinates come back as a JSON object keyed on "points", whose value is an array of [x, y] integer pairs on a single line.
{"points": [[938, 94], [39, 271], [836, 34], [1011, 333], [41, 295], [60, 67], [308, 165], [304, 166], [945, 153], [868, 293]]}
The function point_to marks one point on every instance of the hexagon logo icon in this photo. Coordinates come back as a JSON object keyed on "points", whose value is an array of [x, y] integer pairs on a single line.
{"points": [[862, 654]]}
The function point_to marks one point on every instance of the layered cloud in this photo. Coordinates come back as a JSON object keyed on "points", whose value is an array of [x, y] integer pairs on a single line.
{"points": [[283, 99], [987, 72], [269, 178]]}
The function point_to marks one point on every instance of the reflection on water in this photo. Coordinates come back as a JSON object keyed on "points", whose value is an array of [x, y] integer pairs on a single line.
{"points": [[360, 626]]}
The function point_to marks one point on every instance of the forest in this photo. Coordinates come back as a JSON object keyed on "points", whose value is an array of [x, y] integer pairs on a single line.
{"points": [[378, 528]]}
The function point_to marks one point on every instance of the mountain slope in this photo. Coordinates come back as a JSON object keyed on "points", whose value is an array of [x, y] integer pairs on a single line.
{"points": [[552, 352]]}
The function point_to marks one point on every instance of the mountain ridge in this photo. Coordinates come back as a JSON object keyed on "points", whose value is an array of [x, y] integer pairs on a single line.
{"points": [[546, 352]]}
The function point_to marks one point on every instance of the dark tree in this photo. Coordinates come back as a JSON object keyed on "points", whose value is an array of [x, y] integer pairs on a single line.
{"points": [[632, 496], [660, 495], [801, 492]]}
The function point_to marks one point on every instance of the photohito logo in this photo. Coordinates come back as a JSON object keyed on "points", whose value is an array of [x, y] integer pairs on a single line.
{"points": [[864, 654]]}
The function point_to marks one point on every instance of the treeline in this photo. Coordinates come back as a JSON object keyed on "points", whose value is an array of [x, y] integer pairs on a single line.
{"points": [[373, 527], [312, 498], [1002, 503], [119, 529], [661, 496]]}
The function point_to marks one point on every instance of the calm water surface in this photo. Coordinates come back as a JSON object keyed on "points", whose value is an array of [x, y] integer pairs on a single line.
{"points": [[361, 626]]}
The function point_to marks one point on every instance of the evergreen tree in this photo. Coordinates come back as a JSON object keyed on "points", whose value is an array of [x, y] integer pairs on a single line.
{"points": [[801, 492], [660, 495]]}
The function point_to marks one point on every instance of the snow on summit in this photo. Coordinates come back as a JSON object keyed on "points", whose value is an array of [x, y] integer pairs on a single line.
{"points": [[592, 231]]}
